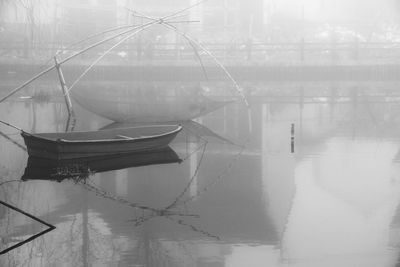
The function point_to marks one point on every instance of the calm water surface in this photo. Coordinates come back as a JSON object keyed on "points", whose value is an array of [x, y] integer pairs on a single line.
{"points": [[238, 197]]}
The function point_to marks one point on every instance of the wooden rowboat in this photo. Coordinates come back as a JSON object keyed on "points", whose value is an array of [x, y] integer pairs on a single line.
{"points": [[72, 145]]}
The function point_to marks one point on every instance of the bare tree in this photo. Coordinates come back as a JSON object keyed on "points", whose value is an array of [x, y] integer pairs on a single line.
{"points": [[30, 8]]}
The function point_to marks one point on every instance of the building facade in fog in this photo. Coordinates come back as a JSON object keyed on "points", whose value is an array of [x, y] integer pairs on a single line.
{"points": [[44, 21], [291, 20], [81, 18], [220, 20]]}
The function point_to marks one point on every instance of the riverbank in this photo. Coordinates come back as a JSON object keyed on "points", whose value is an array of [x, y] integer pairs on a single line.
{"points": [[154, 71]]}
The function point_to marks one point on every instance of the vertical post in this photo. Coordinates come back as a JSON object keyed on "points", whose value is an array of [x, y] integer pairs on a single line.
{"points": [[249, 47], [302, 50], [70, 125], [334, 95], [333, 49], [64, 87], [54, 29], [26, 48], [356, 48], [292, 138], [85, 231], [226, 22], [354, 96]]}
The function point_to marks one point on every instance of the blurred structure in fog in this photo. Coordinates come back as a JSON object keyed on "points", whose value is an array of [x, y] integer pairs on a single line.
{"points": [[38, 28]]}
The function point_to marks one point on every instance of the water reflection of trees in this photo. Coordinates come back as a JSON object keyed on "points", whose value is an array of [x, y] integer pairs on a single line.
{"points": [[148, 247], [84, 239], [168, 211], [14, 226]]}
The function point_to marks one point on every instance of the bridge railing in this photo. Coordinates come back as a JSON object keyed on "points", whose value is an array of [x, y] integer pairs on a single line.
{"points": [[239, 53]]}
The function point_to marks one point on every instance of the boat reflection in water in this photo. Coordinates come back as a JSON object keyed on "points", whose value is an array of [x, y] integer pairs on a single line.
{"points": [[143, 216], [146, 104], [78, 169]]}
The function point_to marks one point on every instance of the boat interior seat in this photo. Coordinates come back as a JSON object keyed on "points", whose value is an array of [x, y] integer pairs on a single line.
{"points": [[119, 136]]}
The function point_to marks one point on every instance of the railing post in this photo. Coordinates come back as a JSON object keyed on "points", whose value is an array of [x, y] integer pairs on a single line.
{"points": [[356, 49], [139, 48], [26, 48], [249, 48], [334, 52], [302, 50]]}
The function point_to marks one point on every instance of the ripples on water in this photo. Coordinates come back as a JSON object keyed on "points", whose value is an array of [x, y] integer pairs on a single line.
{"points": [[227, 193]]}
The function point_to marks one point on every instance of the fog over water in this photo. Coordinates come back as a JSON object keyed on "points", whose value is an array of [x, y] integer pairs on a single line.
{"points": [[289, 148]]}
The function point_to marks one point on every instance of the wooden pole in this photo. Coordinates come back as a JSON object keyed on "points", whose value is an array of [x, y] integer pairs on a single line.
{"points": [[85, 231], [65, 60], [12, 141], [237, 87], [103, 55], [51, 227], [64, 87], [11, 125], [26, 83], [292, 138], [157, 21]]}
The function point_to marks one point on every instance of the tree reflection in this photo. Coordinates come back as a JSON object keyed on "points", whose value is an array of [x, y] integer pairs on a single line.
{"points": [[83, 236], [168, 212]]}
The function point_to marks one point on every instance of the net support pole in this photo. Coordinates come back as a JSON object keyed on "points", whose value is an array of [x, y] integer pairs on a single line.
{"points": [[64, 88]]}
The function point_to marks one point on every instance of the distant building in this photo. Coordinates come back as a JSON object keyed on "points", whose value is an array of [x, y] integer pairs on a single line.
{"points": [[80, 18], [293, 20], [57, 21], [29, 21], [339, 12], [218, 20]]}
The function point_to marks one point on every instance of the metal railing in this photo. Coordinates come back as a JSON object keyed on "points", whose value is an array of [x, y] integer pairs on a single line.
{"points": [[284, 53]]}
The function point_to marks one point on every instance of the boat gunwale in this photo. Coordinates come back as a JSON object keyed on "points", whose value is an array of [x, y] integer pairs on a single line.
{"points": [[61, 140]]}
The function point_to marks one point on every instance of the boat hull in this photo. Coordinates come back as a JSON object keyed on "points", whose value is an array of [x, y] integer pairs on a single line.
{"points": [[60, 148]]}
